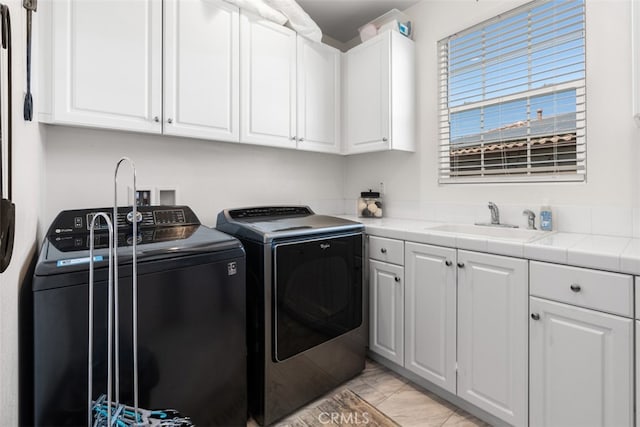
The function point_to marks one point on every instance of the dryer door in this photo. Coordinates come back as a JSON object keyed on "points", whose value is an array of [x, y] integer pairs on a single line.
{"points": [[317, 292]]}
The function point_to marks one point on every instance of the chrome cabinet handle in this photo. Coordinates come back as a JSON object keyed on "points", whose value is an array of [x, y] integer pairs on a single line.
{"points": [[397, 279], [301, 139], [156, 119], [169, 120], [575, 287], [535, 316], [293, 138], [383, 250], [461, 265], [448, 263], [385, 139]]}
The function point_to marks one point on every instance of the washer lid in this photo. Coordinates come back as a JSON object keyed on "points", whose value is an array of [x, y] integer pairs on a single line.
{"points": [[54, 259], [163, 232], [264, 224]]}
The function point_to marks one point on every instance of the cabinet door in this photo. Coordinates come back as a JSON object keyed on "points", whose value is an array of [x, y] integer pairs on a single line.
{"points": [[386, 310], [107, 64], [581, 367], [267, 82], [318, 97], [492, 334], [367, 116], [430, 313], [201, 82], [637, 371]]}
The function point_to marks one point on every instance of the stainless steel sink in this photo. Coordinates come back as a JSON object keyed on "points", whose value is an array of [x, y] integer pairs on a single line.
{"points": [[514, 234]]}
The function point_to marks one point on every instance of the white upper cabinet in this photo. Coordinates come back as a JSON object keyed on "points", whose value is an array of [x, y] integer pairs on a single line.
{"points": [[201, 70], [380, 95], [107, 70], [103, 63], [318, 97], [367, 111], [267, 82]]}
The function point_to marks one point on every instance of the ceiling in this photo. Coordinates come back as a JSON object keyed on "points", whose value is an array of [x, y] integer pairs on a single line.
{"points": [[340, 19]]}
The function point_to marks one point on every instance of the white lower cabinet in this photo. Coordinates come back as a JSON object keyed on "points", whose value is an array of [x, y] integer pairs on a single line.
{"points": [[492, 334], [637, 371], [430, 313], [386, 310], [463, 319], [531, 343], [581, 369], [637, 312]]}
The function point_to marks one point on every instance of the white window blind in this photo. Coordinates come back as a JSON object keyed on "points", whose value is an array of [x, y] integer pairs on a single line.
{"points": [[512, 97]]}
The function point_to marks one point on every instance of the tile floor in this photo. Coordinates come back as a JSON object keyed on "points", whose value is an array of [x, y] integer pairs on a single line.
{"points": [[406, 403]]}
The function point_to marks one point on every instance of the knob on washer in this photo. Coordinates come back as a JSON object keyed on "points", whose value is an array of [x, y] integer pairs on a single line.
{"points": [[130, 217]]}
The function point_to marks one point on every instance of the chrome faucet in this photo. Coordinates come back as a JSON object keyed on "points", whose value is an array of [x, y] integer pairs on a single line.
{"points": [[495, 218], [531, 219], [495, 213]]}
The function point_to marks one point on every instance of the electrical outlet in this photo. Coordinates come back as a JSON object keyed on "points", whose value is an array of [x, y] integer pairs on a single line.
{"points": [[143, 198]]}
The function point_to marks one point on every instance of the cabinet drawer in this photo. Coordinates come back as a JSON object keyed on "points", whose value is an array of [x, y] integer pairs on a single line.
{"points": [[387, 250], [599, 290]]}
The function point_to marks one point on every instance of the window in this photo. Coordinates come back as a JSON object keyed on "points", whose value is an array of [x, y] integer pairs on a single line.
{"points": [[512, 97]]}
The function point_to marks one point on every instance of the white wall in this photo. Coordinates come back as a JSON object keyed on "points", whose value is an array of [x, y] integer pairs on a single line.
{"points": [[611, 191], [208, 175], [27, 165]]}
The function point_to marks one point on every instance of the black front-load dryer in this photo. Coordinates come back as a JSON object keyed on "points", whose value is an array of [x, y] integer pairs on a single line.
{"points": [[191, 318]]}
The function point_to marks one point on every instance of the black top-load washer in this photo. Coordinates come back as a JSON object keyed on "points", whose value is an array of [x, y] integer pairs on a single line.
{"points": [[191, 318], [305, 304]]}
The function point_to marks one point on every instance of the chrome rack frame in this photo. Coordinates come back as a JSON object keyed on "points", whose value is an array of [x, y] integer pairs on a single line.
{"points": [[113, 320], [104, 411]]}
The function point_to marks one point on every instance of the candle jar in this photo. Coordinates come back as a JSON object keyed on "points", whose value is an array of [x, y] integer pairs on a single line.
{"points": [[369, 205]]}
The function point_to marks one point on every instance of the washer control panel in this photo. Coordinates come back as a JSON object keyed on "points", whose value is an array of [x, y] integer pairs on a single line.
{"points": [[169, 217], [79, 221]]}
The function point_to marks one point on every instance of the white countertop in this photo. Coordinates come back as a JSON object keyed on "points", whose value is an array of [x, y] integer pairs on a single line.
{"points": [[619, 254]]}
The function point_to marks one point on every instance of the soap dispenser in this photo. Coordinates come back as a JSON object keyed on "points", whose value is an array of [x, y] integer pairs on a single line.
{"points": [[546, 217]]}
